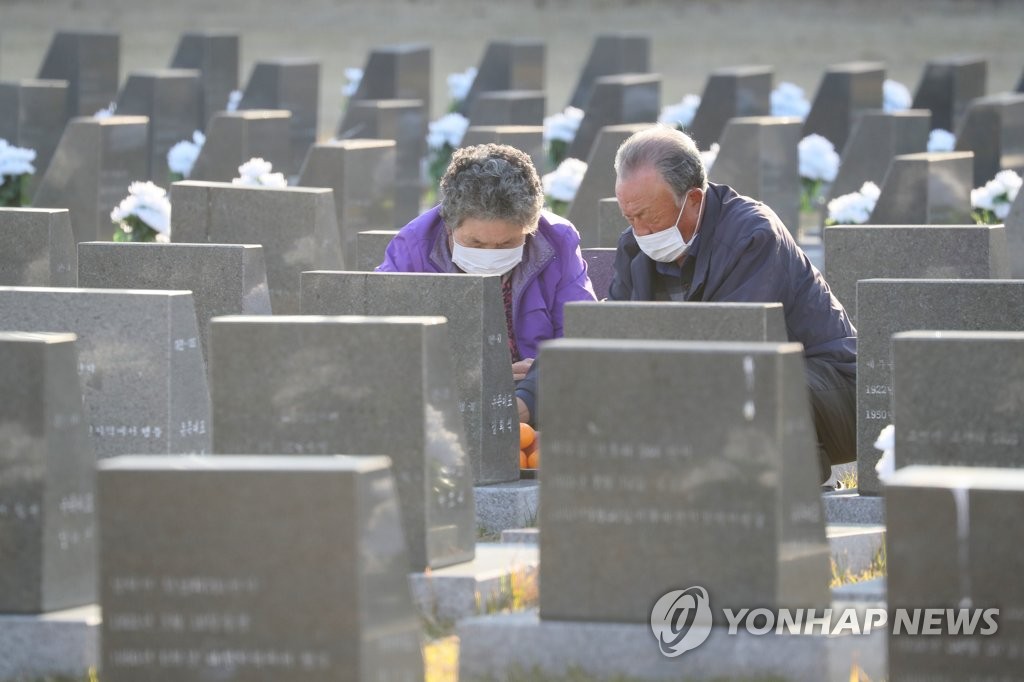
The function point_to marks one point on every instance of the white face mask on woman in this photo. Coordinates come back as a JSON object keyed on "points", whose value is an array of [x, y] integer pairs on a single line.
{"points": [[667, 246], [486, 261]]}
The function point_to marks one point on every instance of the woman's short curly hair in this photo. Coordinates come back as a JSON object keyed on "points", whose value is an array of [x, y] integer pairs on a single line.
{"points": [[491, 182]]}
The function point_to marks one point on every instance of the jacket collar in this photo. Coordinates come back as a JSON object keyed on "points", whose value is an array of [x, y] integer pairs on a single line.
{"points": [[709, 221]]}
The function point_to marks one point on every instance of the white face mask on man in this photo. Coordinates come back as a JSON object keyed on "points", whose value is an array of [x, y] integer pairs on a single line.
{"points": [[486, 261], [667, 246]]}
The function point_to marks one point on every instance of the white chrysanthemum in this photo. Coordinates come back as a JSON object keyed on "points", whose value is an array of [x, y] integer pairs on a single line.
{"points": [[259, 173], [15, 160], [562, 183], [681, 113], [1010, 182], [818, 159], [854, 208], [895, 96], [234, 99], [459, 84], [940, 140], [710, 156], [149, 203], [886, 442], [353, 77], [982, 199], [449, 129], [563, 125], [788, 100], [109, 111], [182, 156]]}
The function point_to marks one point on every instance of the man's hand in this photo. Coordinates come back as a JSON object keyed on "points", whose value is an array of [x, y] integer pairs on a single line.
{"points": [[524, 411], [519, 369]]}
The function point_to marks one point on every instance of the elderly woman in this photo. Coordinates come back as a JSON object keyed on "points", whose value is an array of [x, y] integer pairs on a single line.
{"points": [[490, 222]]}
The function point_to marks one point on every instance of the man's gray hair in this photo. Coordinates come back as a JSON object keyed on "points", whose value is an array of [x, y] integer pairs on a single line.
{"points": [[491, 182], [673, 154]]}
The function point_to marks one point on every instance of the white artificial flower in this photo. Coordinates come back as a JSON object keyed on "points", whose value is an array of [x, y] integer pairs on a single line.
{"points": [[234, 99], [15, 160], [710, 156], [788, 100], [563, 125], [871, 191], [1002, 210], [259, 173], [940, 140], [1011, 183], [353, 77], [818, 158], [895, 96], [449, 129], [681, 113], [459, 84], [562, 183], [109, 111], [886, 442], [182, 156], [854, 208], [149, 203], [982, 199]]}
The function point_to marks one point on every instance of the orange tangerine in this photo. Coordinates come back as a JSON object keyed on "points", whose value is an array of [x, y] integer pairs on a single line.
{"points": [[526, 435], [523, 460], [533, 460]]}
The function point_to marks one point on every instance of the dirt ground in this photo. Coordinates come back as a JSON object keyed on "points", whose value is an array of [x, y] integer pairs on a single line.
{"points": [[689, 37]]}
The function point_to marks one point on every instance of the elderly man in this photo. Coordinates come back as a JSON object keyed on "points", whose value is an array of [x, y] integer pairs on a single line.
{"points": [[691, 240]]}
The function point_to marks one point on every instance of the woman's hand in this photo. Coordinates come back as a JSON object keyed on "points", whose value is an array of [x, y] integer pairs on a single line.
{"points": [[519, 369], [524, 411]]}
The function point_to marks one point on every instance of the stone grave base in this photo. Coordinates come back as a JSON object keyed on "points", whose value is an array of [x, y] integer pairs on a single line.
{"points": [[521, 536], [501, 576], [868, 591], [850, 507], [506, 505], [500, 646], [57, 643]]}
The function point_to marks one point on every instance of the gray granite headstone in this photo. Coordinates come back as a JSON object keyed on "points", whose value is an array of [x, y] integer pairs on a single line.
{"points": [[215, 56], [46, 477], [599, 183], [931, 188], [628, 98], [395, 72], [610, 223], [508, 108], [638, 502], [507, 65], [669, 321], [479, 347], [610, 55], [888, 306], [731, 92], [876, 137], [33, 115], [172, 99], [37, 248], [947, 87], [855, 252], [958, 398], [993, 128], [759, 158], [600, 269], [139, 361], [291, 85], [371, 246], [90, 63], [329, 385], [234, 137], [405, 122], [845, 91], [254, 568], [362, 175], [950, 545], [95, 162], [527, 139], [225, 279], [1015, 237], [296, 226]]}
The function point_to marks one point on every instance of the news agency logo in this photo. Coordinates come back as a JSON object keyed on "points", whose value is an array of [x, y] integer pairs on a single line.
{"points": [[681, 621]]}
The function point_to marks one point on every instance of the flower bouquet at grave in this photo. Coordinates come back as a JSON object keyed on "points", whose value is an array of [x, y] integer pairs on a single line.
{"points": [[561, 184], [819, 164], [234, 99], [991, 203], [680, 114], [895, 96], [854, 208], [182, 156], [15, 170], [788, 100], [444, 137], [459, 84], [144, 215], [559, 132], [940, 140], [257, 172]]}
